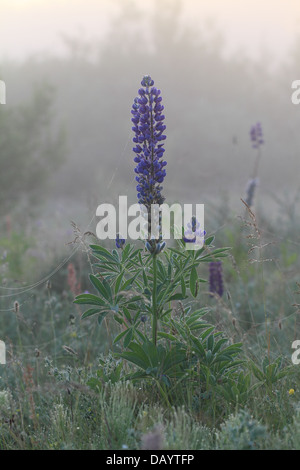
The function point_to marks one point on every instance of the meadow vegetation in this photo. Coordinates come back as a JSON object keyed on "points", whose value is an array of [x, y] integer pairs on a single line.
{"points": [[148, 346]]}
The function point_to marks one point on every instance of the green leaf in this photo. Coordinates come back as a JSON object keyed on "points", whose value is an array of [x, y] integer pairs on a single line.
{"points": [[89, 299], [118, 282], [178, 296], [127, 314], [183, 287], [125, 253], [102, 287], [209, 240], [193, 282], [101, 252], [120, 336], [101, 317], [161, 334], [128, 284], [128, 337], [210, 342], [90, 312], [145, 278]]}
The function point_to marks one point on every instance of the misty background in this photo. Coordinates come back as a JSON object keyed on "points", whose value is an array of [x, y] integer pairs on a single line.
{"points": [[73, 68]]}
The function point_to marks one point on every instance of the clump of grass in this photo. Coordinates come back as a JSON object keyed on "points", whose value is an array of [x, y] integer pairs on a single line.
{"points": [[241, 432]]}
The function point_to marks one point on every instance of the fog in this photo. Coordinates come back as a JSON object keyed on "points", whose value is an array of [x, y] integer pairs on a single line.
{"points": [[220, 68]]}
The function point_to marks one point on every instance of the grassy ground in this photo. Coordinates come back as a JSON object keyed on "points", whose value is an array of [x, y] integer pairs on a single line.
{"points": [[63, 387]]}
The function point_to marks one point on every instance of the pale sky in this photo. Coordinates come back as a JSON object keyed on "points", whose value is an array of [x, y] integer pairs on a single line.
{"points": [[29, 26]]}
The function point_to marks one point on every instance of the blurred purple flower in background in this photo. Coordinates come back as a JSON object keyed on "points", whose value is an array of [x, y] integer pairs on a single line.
{"points": [[216, 278], [256, 135], [250, 191]]}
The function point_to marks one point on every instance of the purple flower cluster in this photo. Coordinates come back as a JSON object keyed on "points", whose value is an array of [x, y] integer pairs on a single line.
{"points": [[148, 127], [256, 135], [216, 278]]}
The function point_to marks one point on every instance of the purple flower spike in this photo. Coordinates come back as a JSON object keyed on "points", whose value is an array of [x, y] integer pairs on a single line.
{"points": [[148, 138]]}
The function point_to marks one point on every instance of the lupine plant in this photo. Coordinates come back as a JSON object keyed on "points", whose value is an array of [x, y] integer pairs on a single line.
{"points": [[151, 290]]}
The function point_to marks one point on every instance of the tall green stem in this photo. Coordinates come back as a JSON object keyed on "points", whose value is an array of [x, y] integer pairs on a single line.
{"points": [[154, 305]]}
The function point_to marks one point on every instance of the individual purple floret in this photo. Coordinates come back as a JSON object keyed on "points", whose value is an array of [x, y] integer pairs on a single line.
{"points": [[216, 278], [193, 231], [256, 135], [148, 127], [120, 242]]}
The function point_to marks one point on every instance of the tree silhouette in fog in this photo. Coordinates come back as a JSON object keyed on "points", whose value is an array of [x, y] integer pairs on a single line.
{"points": [[29, 150]]}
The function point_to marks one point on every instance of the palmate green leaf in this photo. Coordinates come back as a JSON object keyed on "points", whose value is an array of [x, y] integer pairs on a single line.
{"points": [[155, 359], [107, 268], [128, 284], [196, 325], [135, 298], [207, 332], [147, 351], [137, 376], [127, 314], [102, 287], [125, 252], [219, 344], [172, 359], [199, 312], [134, 254], [101, 253], [135, 359], [120, 336], [89, 299], [233, 349], [197, 346], [128, 337], [141, 335]]}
